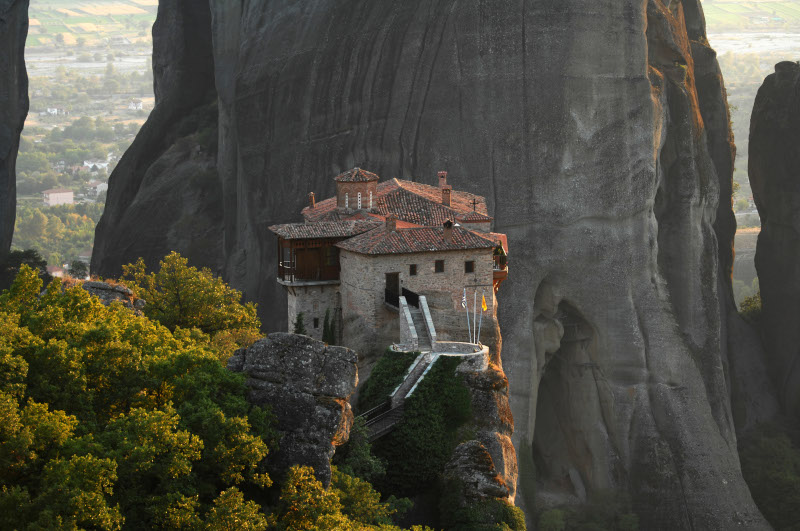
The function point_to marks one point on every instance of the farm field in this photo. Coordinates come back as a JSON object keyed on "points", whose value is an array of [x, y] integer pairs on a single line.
{"points": [[90, 23], [753, 15]]}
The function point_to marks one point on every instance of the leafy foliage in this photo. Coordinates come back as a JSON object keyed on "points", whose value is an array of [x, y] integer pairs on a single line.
{"points": [[488, 515], [385, 377], [349, 504], [355, 457], [750, 308], [180, 296], [111, 419], [429, 431], [14, 261], [300, 325], [771, 466], [61, 232]]}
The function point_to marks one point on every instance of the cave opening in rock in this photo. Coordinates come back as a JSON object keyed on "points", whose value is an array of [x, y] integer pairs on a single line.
{"points": [[565, 429]]}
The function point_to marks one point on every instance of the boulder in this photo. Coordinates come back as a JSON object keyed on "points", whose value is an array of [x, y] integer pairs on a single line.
{"points": [[307, 385]]}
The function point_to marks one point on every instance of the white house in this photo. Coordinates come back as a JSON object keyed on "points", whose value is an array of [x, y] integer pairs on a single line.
{"points": [[135, 105], [96, 187], [58, 196]]}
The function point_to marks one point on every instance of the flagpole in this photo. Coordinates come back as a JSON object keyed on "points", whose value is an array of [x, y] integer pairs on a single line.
{"points": [[464, 305], [475, 309], [483, 295]]}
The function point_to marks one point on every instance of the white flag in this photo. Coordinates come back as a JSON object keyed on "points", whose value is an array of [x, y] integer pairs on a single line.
{"points": [[464, 299]]}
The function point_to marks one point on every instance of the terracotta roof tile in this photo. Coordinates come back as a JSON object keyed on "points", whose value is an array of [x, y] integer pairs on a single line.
{"points": [[415, 240], [412, 202], [473, 217], [337, 229], [356, 175]]}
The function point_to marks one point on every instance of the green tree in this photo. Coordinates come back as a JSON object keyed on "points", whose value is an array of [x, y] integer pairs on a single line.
{"points": [[299, 324], [108, 417], [328, 332], [78, 269], [10, 267], [180, 296]]}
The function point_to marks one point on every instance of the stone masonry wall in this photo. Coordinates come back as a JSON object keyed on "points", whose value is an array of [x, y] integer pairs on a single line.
{"points": [[312, 301], [352, 190], [370, 326]]}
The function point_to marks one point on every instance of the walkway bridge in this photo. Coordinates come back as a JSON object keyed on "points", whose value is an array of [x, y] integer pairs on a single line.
{"points": [[417, 334]]}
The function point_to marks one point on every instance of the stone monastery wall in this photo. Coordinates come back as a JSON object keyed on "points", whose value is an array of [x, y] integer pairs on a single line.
{"points": [[369, 326], [312, 301]]}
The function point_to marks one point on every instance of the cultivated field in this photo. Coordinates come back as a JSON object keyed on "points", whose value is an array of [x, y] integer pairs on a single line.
{"points": [[753, 14], [90, 23]]}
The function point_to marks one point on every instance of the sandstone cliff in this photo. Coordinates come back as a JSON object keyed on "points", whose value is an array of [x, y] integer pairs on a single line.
{"points": [[307, 385], [13, 108], [598, 132], [774, 169]]}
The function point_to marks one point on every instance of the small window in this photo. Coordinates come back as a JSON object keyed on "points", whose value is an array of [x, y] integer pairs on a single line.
{"points": [[359, 200], [439, 266], [469, 266], [370, 200], [316, 306], [346, 200], [412, 270], [316, 322]]}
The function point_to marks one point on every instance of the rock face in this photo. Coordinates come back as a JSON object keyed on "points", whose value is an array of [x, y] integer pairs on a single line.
{"points": [[164, 193], [774, 169], [598, 131], [13, 109], [486, 466], [307, 384]]}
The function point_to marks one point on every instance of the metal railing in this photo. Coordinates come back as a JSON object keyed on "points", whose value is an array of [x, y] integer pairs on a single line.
{"points": [[411, 298], [391, 298]]}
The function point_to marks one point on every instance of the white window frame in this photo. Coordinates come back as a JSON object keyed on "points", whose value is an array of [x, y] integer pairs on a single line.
{"points": [[359, 200], [346, 200], [370, 199]]}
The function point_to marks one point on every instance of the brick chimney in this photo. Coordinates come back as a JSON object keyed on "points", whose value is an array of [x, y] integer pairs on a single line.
{"points": [[391, 223], [446, 192], [442, 179], [312, 200], [448, 231]]}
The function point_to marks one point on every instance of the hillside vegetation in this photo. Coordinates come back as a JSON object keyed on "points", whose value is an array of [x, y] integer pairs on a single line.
{"points": [[114, 420]]}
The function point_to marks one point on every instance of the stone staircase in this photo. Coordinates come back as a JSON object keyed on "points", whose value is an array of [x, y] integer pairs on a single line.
{"points": [[382, 419], [422, 330]]}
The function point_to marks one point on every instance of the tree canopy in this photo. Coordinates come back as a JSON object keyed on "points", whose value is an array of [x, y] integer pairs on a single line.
{"points": [[112, 420]]}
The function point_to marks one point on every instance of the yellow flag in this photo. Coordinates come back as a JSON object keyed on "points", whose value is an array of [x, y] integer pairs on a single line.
{"points": [[483, 304]]}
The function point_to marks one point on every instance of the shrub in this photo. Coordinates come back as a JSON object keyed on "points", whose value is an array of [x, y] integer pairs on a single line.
{"points": [[385, 377], [429, 431], [552, 520], [771, 468], [750, 308]]}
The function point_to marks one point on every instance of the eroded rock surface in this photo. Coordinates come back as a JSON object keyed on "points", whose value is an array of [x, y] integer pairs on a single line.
{"points": [[486, 466], [307, 385], [774, 168], [13, 109], [164, 193], [598, 133]]}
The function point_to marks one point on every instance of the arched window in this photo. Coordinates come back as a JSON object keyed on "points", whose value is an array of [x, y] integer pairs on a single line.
{"points": [[370, 200], [346, 200], [359, 200]]}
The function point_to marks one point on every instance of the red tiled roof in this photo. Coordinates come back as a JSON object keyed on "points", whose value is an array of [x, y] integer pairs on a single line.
{"points": [[412, 202], [356, 175], [416, 240], [473, 217], [334, 229]]}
